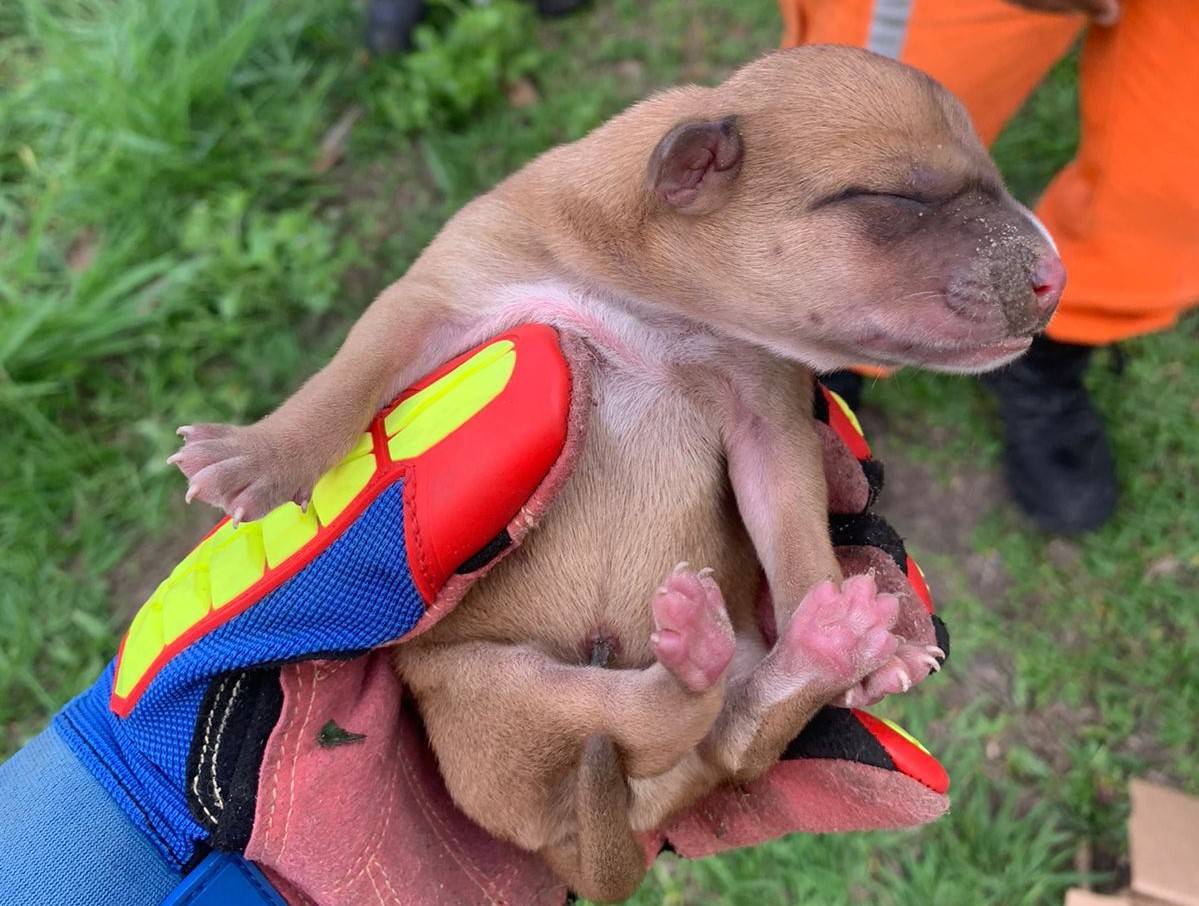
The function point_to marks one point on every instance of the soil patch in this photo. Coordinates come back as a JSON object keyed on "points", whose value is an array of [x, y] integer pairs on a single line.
{"points": [[937, 511]]}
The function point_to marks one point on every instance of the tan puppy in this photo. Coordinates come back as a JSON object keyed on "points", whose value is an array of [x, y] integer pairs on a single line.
{"points": [[822, 207]]}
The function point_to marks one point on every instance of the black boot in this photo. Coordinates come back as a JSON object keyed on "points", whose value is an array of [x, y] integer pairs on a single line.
{"points": [[390, 23], [1057, 459], [551, 8]]}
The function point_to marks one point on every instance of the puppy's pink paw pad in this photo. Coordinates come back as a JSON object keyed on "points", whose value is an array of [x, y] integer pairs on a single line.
{"points": [[694, 638], [842, 634]]}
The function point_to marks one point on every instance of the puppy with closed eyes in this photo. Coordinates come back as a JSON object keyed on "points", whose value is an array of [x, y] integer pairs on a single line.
{"points": [[712, 247]]}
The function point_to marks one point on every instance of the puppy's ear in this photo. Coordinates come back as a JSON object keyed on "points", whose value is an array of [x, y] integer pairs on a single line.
{"points": [[695, 165]]}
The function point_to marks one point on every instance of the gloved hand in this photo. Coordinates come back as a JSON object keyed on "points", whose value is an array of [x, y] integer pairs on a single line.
{"points": [[253, 708]]}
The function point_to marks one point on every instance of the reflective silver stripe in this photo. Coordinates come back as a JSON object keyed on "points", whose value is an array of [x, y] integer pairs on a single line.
{"points": [[888, 27]]}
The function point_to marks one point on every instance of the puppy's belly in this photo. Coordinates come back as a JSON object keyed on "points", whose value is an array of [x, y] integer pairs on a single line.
{"points": [[650, 489]]}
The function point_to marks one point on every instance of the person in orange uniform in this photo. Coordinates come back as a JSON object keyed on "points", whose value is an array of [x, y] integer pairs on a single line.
{"points": [[1124, 212]]}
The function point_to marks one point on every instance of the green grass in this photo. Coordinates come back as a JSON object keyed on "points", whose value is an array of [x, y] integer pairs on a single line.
{"points": [[168, 252]]}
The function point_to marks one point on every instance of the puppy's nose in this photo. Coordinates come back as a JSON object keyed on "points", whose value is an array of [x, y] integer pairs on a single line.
{"points": [[1048, 281]]}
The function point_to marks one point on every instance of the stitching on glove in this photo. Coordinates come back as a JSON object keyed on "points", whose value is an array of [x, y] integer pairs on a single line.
{"points": [[447, 836], [204, 751], [220, 735], [395, 897], [409, 476]]}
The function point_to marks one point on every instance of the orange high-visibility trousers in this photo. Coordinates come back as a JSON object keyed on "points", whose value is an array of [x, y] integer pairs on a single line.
{"points": [[1125, 211]]}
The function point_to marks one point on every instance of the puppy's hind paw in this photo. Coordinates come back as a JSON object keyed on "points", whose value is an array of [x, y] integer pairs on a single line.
{"points": [[839, 635], [694, 638], [908, 666]]}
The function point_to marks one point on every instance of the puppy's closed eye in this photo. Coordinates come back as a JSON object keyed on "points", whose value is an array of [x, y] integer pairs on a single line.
{"points": [[858, 193]]}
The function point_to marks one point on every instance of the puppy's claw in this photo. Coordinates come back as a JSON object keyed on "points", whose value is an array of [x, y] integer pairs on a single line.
{"points": [[935, 651], [681, 566], [238, 515], [184, 431], [191, 493], [854, 697], [705, 572]]}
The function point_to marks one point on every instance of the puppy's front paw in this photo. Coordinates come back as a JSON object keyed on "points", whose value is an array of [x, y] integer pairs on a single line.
{"points": [[694, 638], [837, 636], [238, 470]]}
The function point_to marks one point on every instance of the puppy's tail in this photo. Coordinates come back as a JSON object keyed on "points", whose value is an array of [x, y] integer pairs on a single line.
{"points": [[611, 863]]}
